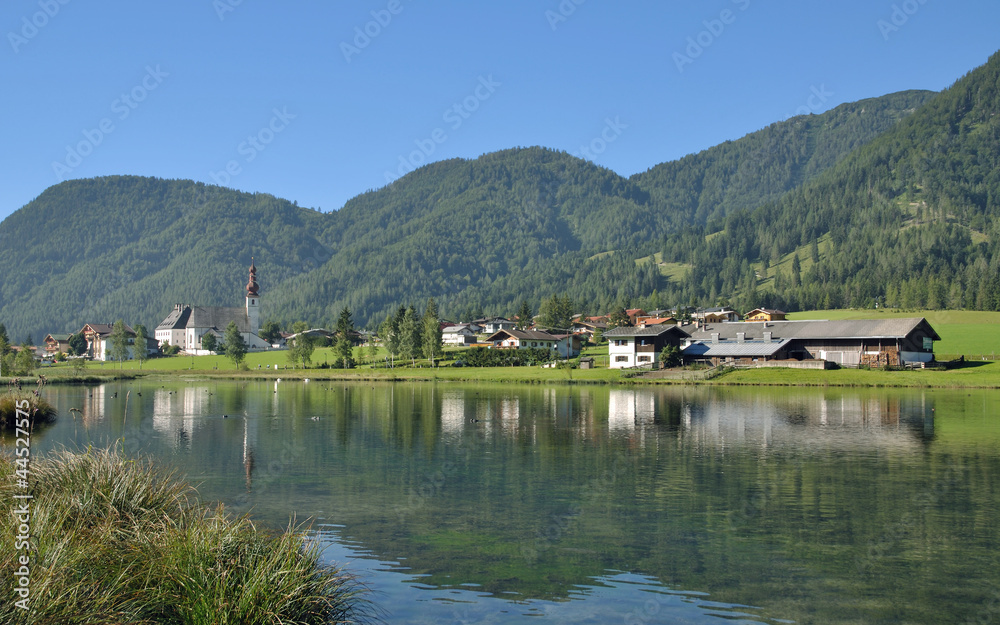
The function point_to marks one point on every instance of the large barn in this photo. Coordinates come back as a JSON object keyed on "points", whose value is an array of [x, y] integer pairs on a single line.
{"points": [[849, 343]]}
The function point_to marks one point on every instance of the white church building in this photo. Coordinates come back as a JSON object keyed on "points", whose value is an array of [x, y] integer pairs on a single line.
{"points": [[186, 325]]}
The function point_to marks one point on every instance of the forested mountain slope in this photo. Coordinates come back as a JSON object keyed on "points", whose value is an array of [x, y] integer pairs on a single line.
{"points": [[911, 219], [486, 232], [766, 164]]}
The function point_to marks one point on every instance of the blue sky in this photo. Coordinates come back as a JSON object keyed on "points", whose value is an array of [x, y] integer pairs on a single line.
{"points": [[319, 101]]}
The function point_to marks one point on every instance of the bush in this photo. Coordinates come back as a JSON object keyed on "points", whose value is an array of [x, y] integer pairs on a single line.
{"points": [[39, 410], [484, 357]]}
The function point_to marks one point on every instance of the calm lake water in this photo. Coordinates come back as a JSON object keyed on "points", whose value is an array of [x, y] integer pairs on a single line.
{"points": [[523, 504]]}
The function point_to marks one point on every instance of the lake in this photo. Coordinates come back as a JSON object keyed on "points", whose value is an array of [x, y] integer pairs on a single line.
{"points": [[590, 504]]}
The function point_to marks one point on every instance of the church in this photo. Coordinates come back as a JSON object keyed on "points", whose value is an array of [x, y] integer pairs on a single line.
{"points": [[186, 325]]}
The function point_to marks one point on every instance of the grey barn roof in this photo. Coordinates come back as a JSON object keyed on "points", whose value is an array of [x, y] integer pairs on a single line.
{"points": [[747, 349], [842, 329]]}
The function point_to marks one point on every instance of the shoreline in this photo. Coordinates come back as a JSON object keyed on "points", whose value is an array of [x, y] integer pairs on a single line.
{"points": [[973, 375]]}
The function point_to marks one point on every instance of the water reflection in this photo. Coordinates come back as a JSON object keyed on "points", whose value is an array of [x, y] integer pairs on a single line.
{"points": [[491, 498]]}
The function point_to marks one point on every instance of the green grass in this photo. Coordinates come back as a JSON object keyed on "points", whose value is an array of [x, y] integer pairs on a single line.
{"points": [[973, 375], [675, 272], [116, 541]]}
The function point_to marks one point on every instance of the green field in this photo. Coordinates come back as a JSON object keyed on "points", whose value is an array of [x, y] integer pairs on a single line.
{"points": [[971, 375], [972, 333]]}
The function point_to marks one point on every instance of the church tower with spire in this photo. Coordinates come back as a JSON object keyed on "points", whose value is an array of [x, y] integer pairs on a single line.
{"points": [[253, 300]]}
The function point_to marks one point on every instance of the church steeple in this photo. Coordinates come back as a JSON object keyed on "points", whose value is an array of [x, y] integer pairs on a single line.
{"points": [[252, 287], [253, 300]]}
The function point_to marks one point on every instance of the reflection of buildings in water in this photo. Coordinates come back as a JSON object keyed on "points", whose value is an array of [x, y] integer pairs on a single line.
{"points": [[844, 420], [630, 409], [174, 413], [510, 415], [93, 404], [453, 413]]}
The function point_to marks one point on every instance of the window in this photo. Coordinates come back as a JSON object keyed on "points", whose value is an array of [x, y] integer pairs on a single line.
{"points": [[621, 358], [645, 359], [621, 343]]}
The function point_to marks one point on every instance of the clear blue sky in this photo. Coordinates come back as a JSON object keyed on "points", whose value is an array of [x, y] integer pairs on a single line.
{"points": [[178, 89]]}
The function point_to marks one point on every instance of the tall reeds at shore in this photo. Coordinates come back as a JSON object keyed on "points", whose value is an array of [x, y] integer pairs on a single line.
{"points": [[37, 408], [115, 540]]}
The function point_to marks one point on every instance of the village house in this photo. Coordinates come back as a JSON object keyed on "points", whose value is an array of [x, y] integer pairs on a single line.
{"points": [[716, 315], [764, 314], [55, 343], [645, 322], [633, 315], [185, 325], [98, 337], [586, 329], [459, 334], [565, 345], [641, 347], [492, 325]]}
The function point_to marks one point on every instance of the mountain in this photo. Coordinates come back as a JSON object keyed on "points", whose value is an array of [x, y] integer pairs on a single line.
{"points": [[123, 246], [764, 165], [909, 220], [481, 233]]}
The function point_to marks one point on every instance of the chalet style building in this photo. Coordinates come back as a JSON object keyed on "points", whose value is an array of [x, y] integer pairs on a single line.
{"points": [[765, 314], [186, 325], [641, 346], [55, 343]]}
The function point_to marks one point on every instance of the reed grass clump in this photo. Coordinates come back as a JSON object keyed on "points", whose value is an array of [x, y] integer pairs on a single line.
{"points": [[39, 411], [116, 540]]}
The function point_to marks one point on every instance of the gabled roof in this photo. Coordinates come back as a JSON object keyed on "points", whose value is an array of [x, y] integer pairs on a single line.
{"points": [[656, 321], [176, 320], [767, 311], [657, 330], [459, 329], [843, 329], [526, 335], [58, 337], [105, 329]]}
